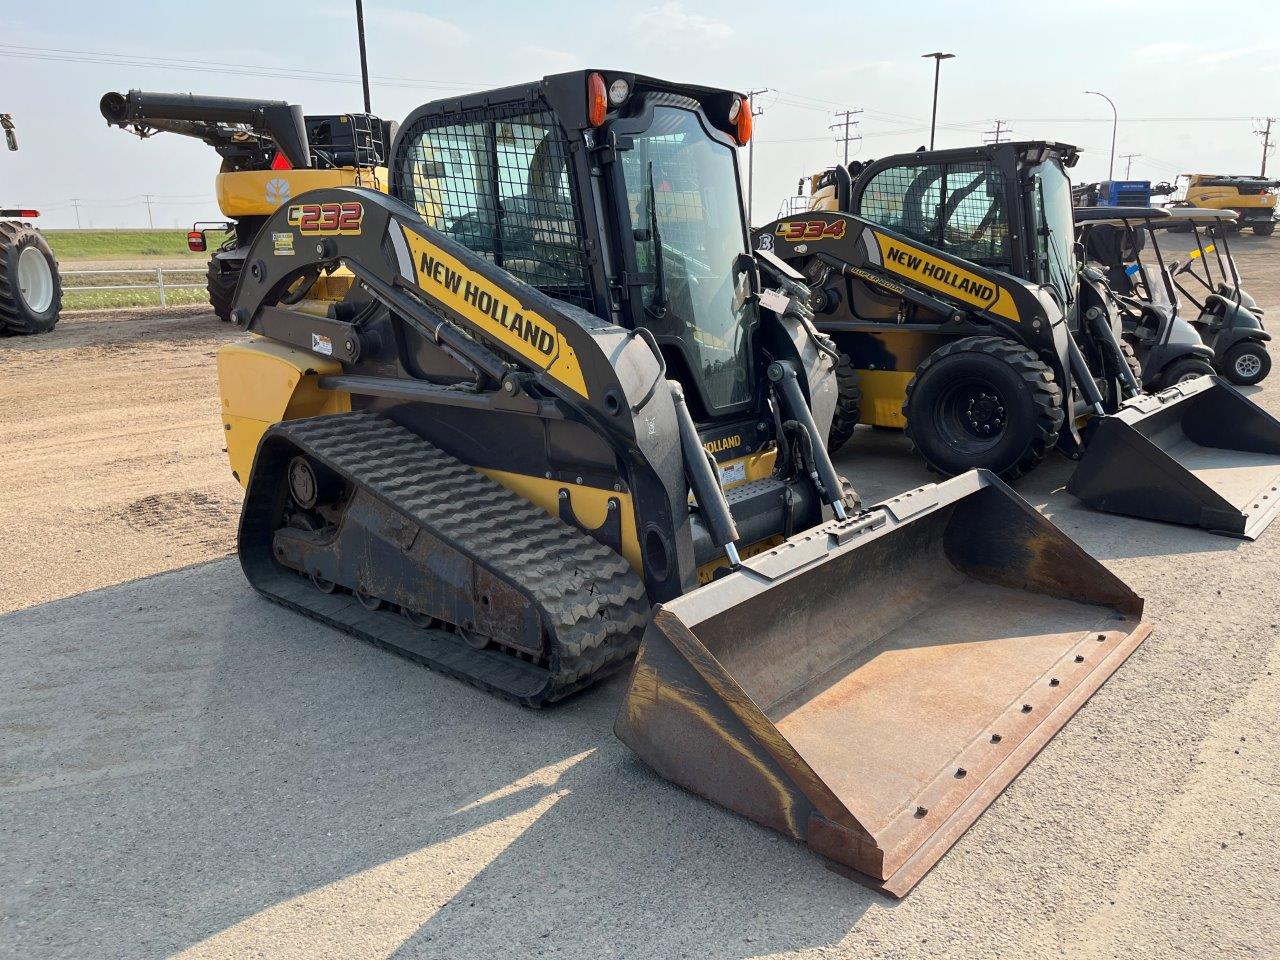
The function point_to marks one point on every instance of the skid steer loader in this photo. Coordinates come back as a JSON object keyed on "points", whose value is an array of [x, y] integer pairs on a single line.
{"points": [[950, 281], [564, 413]]}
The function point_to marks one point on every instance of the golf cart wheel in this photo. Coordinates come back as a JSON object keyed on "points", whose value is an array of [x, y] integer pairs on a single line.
{"points": [[1188, 368], [221, 284], [1264, 229], [983, 402], [848, 405], [1247, 363], [30, 288]]}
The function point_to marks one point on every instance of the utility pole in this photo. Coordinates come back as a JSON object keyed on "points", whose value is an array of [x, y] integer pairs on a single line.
{"points": [[1265, 134], [938, 57], [1000, 133], [75, 202], [845, 129], [1128, 162], [751, 148], [146, 197], [364, 60]]}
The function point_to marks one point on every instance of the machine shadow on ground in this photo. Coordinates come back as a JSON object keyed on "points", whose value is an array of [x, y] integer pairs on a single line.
{"points": [[206, 786]]}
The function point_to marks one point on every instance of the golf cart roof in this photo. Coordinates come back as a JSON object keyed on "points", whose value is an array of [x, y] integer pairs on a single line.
{"points": [[1117, 216], [1201, 215]]}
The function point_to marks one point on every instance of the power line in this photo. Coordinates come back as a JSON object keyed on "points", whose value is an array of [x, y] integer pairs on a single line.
{"points": [[1128, 162], [847, 128], [65, 55]]}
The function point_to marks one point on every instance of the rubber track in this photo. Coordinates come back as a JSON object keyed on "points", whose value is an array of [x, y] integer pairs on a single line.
{"points": [[593, 605]]}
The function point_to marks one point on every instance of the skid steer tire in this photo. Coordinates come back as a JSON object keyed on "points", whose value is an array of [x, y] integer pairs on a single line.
{"points": [[983, 402], [848, 405], [1264, 229], [1188, 368], [1247, 363], [222, 289], [30, 287]]}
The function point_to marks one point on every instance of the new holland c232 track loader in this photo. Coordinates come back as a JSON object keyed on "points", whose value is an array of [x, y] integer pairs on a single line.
{"points": [[564, 413]]}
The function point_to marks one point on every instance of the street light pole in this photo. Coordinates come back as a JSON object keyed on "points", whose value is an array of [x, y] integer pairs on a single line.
{"points": [[1115, 122], [938, 57]]}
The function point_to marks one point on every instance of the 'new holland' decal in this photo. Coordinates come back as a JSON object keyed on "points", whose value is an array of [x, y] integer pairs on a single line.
{"points": [[937, 274], [495, 312]]}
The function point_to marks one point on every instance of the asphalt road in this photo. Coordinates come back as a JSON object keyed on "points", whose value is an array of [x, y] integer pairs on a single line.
{"points": [[188, 770]]}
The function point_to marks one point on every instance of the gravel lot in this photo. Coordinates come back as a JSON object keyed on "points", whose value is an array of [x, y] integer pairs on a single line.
{"points": [[186, 769]]}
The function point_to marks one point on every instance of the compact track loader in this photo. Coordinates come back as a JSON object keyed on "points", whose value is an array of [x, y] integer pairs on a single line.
{"points": [[271, 152], [949, 280], [565, 413]]}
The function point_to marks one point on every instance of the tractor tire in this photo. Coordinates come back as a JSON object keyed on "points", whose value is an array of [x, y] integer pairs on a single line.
{"points": [[1188, 368], [30, 287], [1264, 229], [848, 405], [222, 289], [983, 402], [1247, 363]]}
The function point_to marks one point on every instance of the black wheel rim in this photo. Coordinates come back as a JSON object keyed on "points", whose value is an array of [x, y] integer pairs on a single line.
{"points": [[972, 415]]}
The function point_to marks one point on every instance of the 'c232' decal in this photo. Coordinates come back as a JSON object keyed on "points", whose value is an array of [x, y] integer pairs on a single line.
{"points": [[327, 219], [794, 231]]}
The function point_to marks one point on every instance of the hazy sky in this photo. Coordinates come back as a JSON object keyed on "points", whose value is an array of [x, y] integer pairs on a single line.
{"points": [[1025, 63]]}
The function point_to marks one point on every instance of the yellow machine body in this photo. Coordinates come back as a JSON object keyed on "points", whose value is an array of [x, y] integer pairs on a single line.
{"points": [[1224, 197], [257, 193]]}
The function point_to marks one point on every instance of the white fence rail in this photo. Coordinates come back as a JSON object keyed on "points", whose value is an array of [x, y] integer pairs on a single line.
{"points": [[157, 274]]}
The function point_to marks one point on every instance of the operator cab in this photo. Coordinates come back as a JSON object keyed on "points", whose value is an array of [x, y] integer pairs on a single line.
{"points": [[616, 193]]}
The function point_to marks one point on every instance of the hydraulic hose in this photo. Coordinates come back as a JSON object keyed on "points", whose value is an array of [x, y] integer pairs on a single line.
{"points": [[823, 471]]}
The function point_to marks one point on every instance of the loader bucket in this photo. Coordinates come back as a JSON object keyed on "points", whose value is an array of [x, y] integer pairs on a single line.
{"points": [[1200, 453], [870, 686]]}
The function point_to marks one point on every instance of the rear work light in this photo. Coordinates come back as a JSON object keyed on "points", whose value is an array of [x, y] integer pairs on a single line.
{"points": [[597, 99], [196, 242]]}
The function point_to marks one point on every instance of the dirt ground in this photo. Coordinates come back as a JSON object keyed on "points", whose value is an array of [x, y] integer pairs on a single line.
{"points": [[188, 770]]}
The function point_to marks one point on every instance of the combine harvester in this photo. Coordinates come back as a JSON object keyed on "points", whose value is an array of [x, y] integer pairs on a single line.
{"points": [[564, 413], [949, 282], [270, 153]]}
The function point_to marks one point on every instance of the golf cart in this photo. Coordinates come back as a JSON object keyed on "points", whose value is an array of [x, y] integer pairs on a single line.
{"points": [[1168, 347]]}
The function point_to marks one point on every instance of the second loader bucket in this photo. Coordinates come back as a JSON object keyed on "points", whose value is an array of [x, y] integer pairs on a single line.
{"points": [[870, 686], [1200, 453]]}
